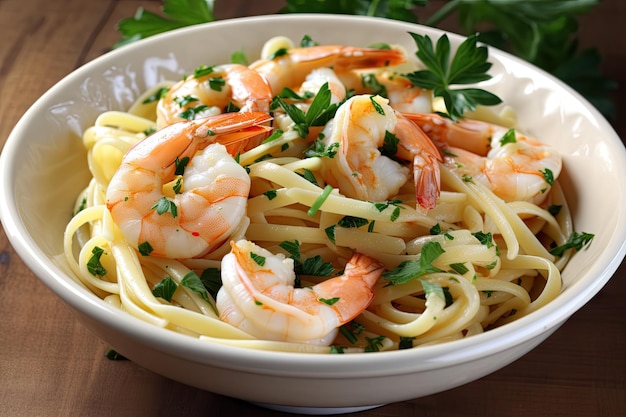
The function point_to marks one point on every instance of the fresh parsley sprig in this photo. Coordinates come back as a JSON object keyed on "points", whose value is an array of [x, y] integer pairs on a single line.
{"points": [[180, 13], [468, 66], [319, 112]]}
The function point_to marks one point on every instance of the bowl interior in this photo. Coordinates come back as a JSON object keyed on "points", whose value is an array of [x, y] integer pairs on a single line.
{"points": [[43, 166]]}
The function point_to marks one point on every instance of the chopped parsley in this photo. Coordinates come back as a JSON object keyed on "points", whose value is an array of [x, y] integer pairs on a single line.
{"points": [[575, 241], [409, 270], [165, 289], [93, 264], [192, 281], [165, 205], [212, 280], [145, 248], [258, 259]]}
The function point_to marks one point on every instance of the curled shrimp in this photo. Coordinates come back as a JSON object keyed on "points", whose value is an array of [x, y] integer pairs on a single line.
{"points": [[291, 68], [162, 212], [214, 90], [364, 125], [258, 296], [514, 166], [472, 135]]}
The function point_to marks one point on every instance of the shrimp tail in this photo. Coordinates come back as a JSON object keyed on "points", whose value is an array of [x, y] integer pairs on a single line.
{"points": [[354, 288], [234, 130], [427, 179]]}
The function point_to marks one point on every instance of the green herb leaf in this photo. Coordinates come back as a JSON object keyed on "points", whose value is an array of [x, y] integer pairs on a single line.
{"points": [[145, 248], [179, 13], [317, 267], [193, 282], [320, 150], [508, 137], [212, 280], [374, 343], [469, 65], [93, 264], [329, 301], [432, 289], [270, 194], [180, 165], [258, 259], [352, 222], [165, 205], [165, 289], [576, 241], [409, 270]]}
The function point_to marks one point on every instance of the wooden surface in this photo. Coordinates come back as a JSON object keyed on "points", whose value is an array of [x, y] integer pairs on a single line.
{"points": [[52, 366]]}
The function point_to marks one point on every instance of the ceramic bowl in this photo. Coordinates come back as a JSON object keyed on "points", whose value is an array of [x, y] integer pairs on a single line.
{"points": [[43, 168]]}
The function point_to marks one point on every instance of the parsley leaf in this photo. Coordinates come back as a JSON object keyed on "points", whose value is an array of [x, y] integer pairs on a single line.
{"points": [[165, 289], [193, 282], [320, 111], [469, 65], [575, 241], [179, 13], [93, 264], [409, 270], [165, 205], [212, 280]]}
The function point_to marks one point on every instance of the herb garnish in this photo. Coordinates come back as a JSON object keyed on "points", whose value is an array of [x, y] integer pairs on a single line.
{"points": [[93, 264], [575, 241], [409, 270], [543, 33], [468, 66]]}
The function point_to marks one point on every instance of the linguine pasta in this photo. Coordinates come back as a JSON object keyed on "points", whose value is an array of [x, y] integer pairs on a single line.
{"points": [[494, 265]]}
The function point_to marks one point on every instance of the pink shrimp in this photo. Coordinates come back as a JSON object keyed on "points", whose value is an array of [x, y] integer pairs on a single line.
{"points": [[361, 127], [211, 90], [519, 168], [258, 296], [290, 69], [205, 203]]}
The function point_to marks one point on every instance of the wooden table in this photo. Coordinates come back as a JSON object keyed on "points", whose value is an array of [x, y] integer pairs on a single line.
{"points": [[52, 366]]}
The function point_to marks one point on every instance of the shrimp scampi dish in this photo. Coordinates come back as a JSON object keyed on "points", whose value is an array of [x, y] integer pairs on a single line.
{"points": [[318, 200]]}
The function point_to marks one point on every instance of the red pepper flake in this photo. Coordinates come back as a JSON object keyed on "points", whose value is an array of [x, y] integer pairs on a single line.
{"points": [[195, 233]]}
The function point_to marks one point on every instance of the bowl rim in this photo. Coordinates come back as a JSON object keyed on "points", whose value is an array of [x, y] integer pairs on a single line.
{"points": [[383, 363]]}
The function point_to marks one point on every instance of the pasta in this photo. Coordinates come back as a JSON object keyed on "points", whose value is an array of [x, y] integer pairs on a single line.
{"points": [[493, 263]]}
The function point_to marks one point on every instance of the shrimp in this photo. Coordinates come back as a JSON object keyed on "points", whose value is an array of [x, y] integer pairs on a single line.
{"points": [[517, 169], [213, 90], [258, 296], [203, 206], [364, 125], [290, 69], [472, 135]]}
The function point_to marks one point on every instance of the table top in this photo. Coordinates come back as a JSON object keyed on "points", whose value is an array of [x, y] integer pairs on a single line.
{"points": [[51, 365]]}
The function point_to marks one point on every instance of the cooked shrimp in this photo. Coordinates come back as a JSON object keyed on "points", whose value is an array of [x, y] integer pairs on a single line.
{"points": [[391, 84], [203, 206], [518, 169], [213, 90], [258, 296], [290, 69], [472, 135], [361, 127]]}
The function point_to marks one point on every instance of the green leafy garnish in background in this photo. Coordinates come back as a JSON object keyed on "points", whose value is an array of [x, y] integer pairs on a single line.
{"points": [[542, 32]]}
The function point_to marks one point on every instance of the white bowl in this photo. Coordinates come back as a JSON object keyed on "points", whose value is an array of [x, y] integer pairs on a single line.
{"points": [[43, 168]]}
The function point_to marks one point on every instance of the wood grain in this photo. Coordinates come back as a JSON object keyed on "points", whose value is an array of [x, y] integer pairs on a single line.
{"points": [[52, 366]]}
